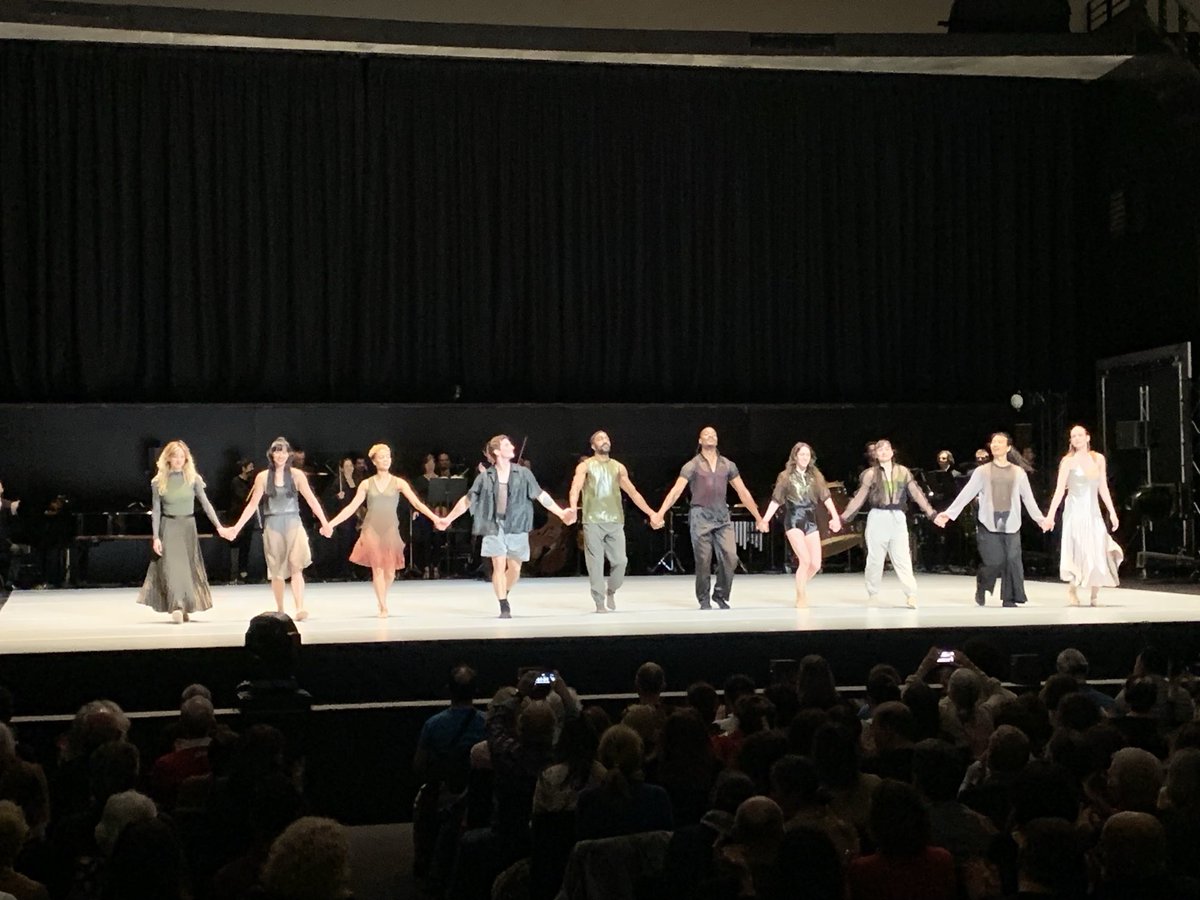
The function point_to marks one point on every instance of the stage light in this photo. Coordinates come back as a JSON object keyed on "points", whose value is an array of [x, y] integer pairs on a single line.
{"points": [[1017, 401]]}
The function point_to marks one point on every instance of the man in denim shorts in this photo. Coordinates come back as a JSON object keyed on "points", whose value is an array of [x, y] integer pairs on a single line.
{"points": [[501, 504]]}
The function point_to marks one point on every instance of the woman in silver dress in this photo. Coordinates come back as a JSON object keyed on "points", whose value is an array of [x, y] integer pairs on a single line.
{"points": [[285, 544], [176, 581], [1088, 557]]}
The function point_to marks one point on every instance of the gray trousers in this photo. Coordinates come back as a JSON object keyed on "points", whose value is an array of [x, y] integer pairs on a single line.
{"points": [[887, 535], [604, 540]]}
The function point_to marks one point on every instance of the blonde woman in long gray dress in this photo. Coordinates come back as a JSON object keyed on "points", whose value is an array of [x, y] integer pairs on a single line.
{"points": [[285, 543], [1088, 557], [380, 547], [176, 581]]}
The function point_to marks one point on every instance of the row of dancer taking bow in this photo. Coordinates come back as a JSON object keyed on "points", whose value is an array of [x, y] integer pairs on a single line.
{"points": [[501, 504]]}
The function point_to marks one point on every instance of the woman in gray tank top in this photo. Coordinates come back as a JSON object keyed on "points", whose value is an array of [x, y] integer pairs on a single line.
{"points": [[285, 544]]}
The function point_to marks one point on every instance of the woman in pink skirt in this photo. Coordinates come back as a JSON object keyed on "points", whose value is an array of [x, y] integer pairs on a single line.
{"points": [[380, 547]]}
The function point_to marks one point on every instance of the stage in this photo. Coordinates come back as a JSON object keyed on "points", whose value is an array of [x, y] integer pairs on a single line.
{"points": [[59, 648]]}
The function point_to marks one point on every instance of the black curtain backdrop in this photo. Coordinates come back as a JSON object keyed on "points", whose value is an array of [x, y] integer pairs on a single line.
{"points": [[182, 225]]}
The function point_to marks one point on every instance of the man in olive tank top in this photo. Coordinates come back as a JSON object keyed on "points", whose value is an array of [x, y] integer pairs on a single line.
{"points": [[600, 479]]}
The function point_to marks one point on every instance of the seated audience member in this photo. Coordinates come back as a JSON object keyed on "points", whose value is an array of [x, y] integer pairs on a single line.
{"points": [[189, 757], [1051, 862], [310, 860], [1139, 722], [146, 864], [745, 862], [754, 714], [689, 857], [905, 864], [797, 789], [702, 697], [892, 730], [622, 803], [1133, 861], [1173, 705], [1179, 812], [815, 685], [963, 714], [650, 681], [13, 832], [275, 805], [938, 770], [758, 753], [1078, 712], [96, 723], [1135, 778], [575, 769], [987, 784], [687, 767], [735, 688], [1072, 662], [835, 751]]}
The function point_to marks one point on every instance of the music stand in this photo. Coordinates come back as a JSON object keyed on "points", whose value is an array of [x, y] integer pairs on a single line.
{"points": [[444, 493], [670, 561]]}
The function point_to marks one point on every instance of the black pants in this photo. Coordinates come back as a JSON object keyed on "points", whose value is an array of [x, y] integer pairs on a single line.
{"points": [[1000, 555], [711, 539]]}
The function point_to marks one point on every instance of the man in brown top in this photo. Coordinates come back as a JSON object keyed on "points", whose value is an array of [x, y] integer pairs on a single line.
{"points": [[709, 475]]}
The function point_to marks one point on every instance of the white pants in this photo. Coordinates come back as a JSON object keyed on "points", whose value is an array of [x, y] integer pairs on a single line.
{"points": [[887, 535]]}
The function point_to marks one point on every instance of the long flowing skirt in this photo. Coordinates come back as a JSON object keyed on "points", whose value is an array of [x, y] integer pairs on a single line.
{"points": [[177, 580], [285, 546], [1089, 557]]}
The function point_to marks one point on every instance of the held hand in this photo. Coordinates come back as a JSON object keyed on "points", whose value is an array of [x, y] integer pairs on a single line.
{"points": [[156, 545], [657, 521], [327, 530], [341, 495], [12, 508], [941, 519], [224, 531], [1112, 517], [441, 524], [835, 524], [569, 516], [764, 526], [1047, 524]]}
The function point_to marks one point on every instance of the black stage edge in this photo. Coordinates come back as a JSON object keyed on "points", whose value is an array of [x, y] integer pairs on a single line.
{"points": [[58, 683]]}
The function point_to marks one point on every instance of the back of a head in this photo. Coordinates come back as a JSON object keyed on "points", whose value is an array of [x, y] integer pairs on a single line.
{"points": [[462, 684], [794, 780], [896, 718], [13, 831], [899, 819], [24, 783], [729, 790], [1134, 779], [1078, 712], [938, 769], [807, 865], [1141, 694], [650, 678], [96, 723], [1056, 688], [736, 686], [195, 690], [786, 702], [964, 690], [146, 863], [196, 719], [755, 713], [1052, 857], [815, 683], [310, 860], [1133, 847], [758, 822], [646, 721], [120, 811], [1154, 661], [883, 684], [702, 697], [922, 701], [1008, 750], [1072, 662], [685, 737], [536, 723], [621, 751], [758, 753], [835, 751], [112, 768]]}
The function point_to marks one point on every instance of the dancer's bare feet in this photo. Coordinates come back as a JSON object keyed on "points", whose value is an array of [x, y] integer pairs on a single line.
{"points": [[801, 599], [383, 612], [1095, 595], [910, 602], [301, 615], [1072, 595]]}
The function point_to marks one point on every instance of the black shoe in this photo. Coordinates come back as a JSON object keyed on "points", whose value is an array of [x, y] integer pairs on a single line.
{"points": [[505, 610], [1008, 603], [980, 599], [722, 604]]}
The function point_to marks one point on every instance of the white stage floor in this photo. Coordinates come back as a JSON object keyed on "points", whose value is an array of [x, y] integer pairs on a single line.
{"points": [[110, 619]]}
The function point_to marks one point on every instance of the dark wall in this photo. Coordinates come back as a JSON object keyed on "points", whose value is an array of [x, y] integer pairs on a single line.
{"points": [[97, 454], [186, 225]]}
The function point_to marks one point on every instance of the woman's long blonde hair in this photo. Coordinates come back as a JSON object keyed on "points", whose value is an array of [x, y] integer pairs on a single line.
{"points": [[159, 481]]}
